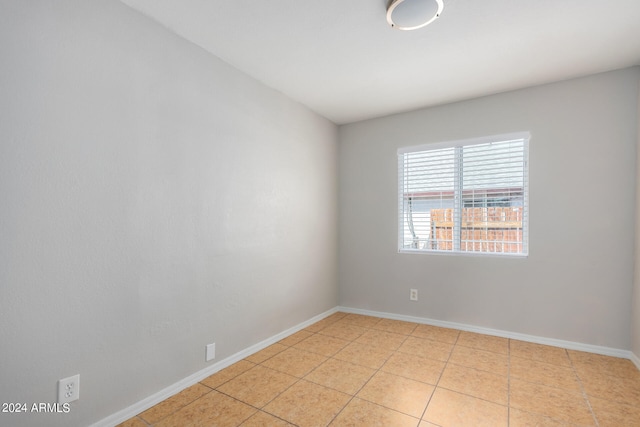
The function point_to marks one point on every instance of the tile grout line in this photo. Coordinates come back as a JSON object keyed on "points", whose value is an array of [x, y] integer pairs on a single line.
{"points": [[433, 391], [582, 388], [368, 328], [509, 383], [241, 401], [312, 370], [479, 370], [139, 416], [377, 370], [298, 379], [260, 409], [144, 421], [558, 387], [366, 382], [447, 362], [435, 387], [420, 419]]}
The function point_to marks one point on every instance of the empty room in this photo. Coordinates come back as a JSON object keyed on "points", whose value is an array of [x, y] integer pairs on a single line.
{"points": [[319, 213]]}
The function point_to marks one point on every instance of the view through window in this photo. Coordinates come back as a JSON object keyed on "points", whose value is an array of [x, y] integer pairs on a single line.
{"points": [[466, 196]]}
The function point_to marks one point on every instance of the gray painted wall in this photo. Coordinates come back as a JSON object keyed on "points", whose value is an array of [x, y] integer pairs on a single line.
{"points": [[635, 327], [576, 284], [154, 200]]}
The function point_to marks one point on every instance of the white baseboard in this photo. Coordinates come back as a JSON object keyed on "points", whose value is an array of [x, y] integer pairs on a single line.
{"points": [[608, 351], [177, 387]]}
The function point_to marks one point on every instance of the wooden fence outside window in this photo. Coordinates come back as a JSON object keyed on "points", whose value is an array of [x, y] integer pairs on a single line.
{"points": [[490, 229]]}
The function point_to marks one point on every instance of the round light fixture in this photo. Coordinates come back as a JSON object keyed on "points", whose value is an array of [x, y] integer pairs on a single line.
{"points": [[413, 14]]}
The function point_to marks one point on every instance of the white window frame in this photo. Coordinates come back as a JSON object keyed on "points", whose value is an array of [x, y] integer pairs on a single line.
{"points": [[458, 201]]}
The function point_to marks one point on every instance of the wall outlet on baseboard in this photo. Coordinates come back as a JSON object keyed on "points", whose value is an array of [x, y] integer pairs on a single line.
{"points": [[210, 352], [413, 295]]}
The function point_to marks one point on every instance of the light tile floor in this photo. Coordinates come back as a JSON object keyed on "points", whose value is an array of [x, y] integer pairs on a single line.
{"points": [[354, 370]]}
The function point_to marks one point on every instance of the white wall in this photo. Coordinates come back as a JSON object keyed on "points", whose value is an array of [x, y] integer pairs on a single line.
{"points": [[576, 283], [153, 200]]}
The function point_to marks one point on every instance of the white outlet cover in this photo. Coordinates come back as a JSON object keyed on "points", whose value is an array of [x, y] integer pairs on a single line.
{"points": [[69, 389], [210, 352]]}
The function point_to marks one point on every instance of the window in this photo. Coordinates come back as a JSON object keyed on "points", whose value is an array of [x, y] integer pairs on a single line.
{"points": [[466, 196]]}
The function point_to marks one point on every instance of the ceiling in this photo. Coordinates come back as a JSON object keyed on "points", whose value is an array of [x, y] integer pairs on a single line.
{"points": [[341, 59]]}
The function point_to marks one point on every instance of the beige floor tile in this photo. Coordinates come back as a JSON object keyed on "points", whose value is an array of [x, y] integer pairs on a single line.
{"points": [[257, 386], [340, 375], [426, 424], [295, 362], [518, 418], [344, 330], [402, 394], [427, 348], [262, 419], [544, 373], [360, 413], [481, 384], [213, 409], [322, 344], [133, 422], [364, 355], [360, 320], [395, 326], [295, 338], [414, 367], [227, 373], [175, 402], [552, 402], [451, 409], [381, 340], [613, 414], [338, 315], [623, 390], [590, 363], [539, 352], [308, 405], [483, 342], [320, 325], [436, 333], [266, 353], [480, 359]]}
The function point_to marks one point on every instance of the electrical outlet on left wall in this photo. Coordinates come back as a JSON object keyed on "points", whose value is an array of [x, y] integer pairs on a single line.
{"points": [[210, 352]]}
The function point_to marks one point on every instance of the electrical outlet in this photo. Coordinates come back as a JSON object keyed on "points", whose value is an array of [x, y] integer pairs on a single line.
{"points": [[210, 352], [69, 389], [413, 295]]}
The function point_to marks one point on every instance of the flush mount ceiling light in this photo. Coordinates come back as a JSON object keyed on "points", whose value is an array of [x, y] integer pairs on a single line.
{"points": [[413, 14]]}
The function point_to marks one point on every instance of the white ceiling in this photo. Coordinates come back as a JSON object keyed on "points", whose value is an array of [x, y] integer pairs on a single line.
{"points": [[341, 58]]}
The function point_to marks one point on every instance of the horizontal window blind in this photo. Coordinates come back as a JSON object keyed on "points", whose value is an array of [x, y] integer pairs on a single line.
{"points": [[466, 196]]}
